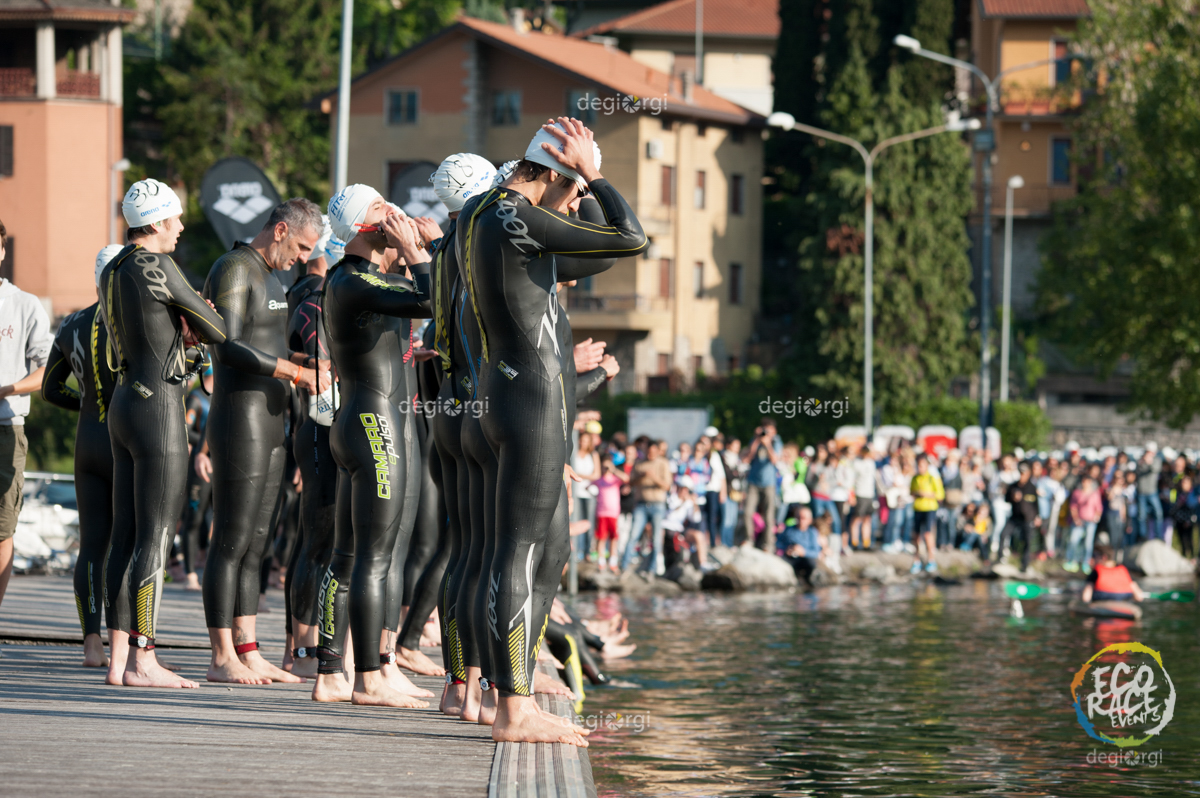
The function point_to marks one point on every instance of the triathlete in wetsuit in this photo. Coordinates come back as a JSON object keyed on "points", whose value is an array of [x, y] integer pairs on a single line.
{"points": [[150, 310], [246, 432], [504, 250], [318, 474], [199, 490], [79, 350], [425, 564], [367, 319]]}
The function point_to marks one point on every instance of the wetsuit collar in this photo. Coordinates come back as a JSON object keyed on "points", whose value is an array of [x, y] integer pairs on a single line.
{"points": [[261, 260], [359, 263]]}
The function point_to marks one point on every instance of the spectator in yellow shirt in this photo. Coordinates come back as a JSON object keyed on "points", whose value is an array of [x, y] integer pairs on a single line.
{"points": [[927, 491]]}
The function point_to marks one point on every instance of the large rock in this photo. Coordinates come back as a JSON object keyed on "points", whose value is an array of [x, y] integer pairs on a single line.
{"points": [[1156, 558], [751, 569], [879, 572], [685, 575], [641, 583]]}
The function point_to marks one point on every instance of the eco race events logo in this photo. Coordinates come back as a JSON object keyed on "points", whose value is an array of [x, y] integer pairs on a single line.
{"points": [[1123, 696]]}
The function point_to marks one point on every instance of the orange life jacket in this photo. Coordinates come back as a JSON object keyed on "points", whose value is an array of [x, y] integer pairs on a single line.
{"points": [[1113, 579]]}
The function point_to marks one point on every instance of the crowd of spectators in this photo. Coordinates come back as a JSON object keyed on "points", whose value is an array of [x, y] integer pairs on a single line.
{"points": [[649, 505]]}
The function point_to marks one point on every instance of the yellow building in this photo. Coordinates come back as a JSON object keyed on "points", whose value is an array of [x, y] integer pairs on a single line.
{"points": [[688, 161]]}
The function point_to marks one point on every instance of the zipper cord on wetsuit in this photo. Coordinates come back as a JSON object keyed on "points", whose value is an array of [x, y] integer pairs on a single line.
{"points": [[467, 351], [495, 195], [112, 347], [96, 365], [441, 331]]}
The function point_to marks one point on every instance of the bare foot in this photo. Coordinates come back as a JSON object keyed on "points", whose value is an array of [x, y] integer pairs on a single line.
{"points": [[452, 699], [142, 671], [417, 662], [118, 647], [470, 707], [401, 683], [255, 662], [487, 708], [234, 672], [192, 583], [551, 686], [93, 652], [331, 687], [523, 723], [263, 607], [611, 652], [168, 665], [306, 667], [371, 689]]}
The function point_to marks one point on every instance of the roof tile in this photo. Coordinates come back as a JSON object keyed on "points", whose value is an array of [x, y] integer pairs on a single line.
{"points": [[1049, 9], [748, 18]]}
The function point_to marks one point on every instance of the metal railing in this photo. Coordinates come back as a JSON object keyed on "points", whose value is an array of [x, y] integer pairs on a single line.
{"points": [[18, 82]]}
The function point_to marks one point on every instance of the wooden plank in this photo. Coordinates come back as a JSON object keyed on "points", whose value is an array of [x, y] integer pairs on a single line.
{"points": [[542, 770]]}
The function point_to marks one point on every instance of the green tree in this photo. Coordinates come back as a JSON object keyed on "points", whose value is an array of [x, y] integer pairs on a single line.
{"points": [[921, 270], [1118, 279]]}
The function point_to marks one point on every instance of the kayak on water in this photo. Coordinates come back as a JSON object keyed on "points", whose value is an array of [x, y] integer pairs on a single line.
{"points": [[1107, 609]]}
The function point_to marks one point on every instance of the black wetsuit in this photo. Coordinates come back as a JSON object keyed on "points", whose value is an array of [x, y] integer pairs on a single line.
{"points": [[245, 430], [367, 319], [79, 349], [199, 490], [318, 472], [143, 296], [429, 552], [506, 251], [457, 370]]}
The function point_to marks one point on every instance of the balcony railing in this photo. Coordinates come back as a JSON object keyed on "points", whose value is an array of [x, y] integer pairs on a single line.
{"points": [[1038, 101], [615, 303], [18, 82], [78, 84]]}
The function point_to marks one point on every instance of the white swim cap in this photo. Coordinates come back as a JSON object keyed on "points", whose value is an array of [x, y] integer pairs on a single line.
{"points": [[149, 201], [460, 177], [335, 250], [348, 207], [104, 256], [535, 153], [326, 233], [396, 208], [506, 171]]}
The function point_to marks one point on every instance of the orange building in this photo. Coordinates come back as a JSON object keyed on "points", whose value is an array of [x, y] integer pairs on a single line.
{"points": [[60, 141]]}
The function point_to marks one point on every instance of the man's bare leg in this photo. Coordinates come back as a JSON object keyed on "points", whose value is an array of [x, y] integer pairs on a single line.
{"points": [[470, 706], [142, 670], [118, 648], [487, 707], [243, 634], [93, 652], [519, 720], [372, 689], [452, 699], [6, 563], [225, 665], [391, 672], [288, 657], [304, 636]]}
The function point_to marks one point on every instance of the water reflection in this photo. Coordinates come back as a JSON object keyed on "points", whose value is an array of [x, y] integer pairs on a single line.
{"points": [[878, 691]]}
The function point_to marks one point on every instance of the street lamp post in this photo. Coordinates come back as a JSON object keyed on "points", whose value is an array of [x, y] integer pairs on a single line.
{"points": [[1014, 182], [342, 153], [786, 121], [985, 142]]}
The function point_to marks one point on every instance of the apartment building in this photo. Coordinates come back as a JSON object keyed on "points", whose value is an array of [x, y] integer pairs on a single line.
{"points": [[688, 161], [60, 143], [737, 45]]}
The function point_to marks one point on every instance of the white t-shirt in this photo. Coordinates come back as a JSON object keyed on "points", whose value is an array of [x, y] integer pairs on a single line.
{"points": [[716, 483]]}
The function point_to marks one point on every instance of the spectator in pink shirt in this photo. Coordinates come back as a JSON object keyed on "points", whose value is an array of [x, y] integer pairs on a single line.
{"points": [[608, 509], [1085, 509]]}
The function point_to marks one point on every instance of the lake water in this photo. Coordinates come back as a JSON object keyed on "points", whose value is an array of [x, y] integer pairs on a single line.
{"points": [[879, 691]]}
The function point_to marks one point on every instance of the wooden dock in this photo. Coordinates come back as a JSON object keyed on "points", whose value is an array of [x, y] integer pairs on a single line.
{"points": [[67, 733]]}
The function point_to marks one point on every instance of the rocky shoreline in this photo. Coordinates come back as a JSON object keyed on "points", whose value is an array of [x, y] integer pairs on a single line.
{"points": [[748, 569]]}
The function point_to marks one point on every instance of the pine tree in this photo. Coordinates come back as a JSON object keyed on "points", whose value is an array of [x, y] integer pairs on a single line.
{"points": [[922, 195]]}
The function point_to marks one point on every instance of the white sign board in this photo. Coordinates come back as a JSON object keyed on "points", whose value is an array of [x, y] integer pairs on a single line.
{"points": [[672, 424]]}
